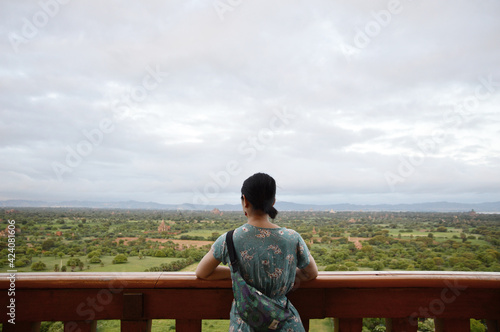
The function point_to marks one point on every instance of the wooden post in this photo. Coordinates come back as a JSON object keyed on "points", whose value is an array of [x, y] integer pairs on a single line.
{"points": [[133, 314], [21, 327], [348, 324], [400, 325], [80, 326], [452, 324], [136, 325], [188, 325], [305, 322], [493, 325]]}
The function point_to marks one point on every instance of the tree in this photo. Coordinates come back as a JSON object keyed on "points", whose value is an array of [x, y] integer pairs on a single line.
{"points": [[463, 237], [30, 253], [120, 259], [373, 325], [426, 325], [378, 265], [95, 260], [74, 261], [477, 326], [428, 264], [56, 327], [48, 244], [94, 253], [21, 262], [38, 266], [160, 253]]}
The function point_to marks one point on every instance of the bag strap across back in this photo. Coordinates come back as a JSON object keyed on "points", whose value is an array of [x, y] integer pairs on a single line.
{"points": [[232, 252], [233, 258]]}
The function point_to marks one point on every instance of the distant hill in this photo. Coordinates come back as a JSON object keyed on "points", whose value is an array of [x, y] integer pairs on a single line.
{"points": [[417, 207], [283, 206]]}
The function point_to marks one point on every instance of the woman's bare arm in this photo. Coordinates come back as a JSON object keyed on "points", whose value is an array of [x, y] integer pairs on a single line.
{"points": [[309, 272], [209, 268]]}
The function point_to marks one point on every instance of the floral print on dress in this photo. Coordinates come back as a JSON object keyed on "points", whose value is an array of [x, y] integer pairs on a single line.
{"points": [[263, 233], [276, 274], [268, 260], [275, 248], [281, 290], [245, 256]]}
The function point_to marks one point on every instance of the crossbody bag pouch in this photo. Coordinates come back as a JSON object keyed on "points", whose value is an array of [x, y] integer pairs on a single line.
{"points": [[258, 310]]}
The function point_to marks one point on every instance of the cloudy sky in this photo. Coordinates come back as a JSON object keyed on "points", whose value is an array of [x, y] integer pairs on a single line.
{"points": [[180, 101]]}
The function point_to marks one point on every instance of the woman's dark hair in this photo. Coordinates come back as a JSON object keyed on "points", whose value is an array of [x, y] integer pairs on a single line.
{"points": [[260, 191]]}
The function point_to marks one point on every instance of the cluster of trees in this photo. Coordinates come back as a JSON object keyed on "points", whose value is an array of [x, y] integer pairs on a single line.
{"points": [[391, 240], [172, 266], [421, 253], [424, 325]]}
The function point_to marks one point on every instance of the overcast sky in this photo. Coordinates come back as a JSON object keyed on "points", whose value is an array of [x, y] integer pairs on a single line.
{"points": [[180, 101]]}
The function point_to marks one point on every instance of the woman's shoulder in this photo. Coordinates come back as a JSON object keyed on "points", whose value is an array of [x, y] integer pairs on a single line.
{"points": [[251, 228], [266, 232]]}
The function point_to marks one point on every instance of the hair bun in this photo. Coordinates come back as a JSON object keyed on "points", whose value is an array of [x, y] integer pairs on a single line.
{"points": [[271, 211]]}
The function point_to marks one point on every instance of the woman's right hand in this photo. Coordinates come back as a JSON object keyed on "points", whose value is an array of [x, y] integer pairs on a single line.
{"points": [[309, 272]]}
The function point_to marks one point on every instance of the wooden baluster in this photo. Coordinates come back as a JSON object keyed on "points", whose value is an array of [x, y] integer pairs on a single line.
{"points": [[21, 327], [133, 314], [80, 326], [305, 322], [188, 325], [136, 325], [452, 324], [401, 325], [493, 325], [348, 324]]}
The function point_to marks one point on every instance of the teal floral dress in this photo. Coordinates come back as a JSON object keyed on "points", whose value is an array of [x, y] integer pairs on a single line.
{"points": [[268, 258]]}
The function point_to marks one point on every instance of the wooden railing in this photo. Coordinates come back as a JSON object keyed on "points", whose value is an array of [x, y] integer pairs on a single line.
{"points": [[80, 299]]}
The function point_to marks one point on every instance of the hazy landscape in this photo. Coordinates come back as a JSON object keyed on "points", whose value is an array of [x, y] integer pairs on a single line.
{"points": [[133, 240], [485, 207]]}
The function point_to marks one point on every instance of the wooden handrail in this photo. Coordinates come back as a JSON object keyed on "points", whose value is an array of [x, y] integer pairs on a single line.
{"points": [[81, 298], [59, 280]]}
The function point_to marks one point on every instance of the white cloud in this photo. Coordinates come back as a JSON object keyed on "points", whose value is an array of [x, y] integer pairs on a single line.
{"points": [[218, 86]]}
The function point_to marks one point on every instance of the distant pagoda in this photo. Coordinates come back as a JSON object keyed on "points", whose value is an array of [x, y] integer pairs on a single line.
{"points": [[163, 227]]}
